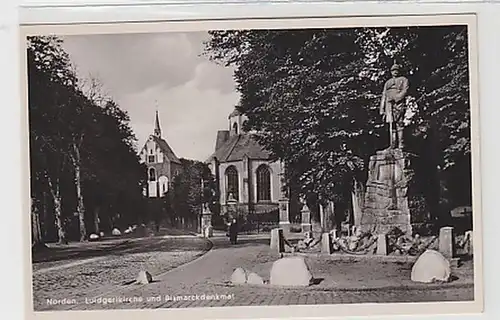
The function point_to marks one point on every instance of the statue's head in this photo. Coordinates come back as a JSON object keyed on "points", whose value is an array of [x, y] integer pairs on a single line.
{"points": [[396, 70]]}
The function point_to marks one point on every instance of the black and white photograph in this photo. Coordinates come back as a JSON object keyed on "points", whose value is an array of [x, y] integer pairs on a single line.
{"points": [[253, 165]]}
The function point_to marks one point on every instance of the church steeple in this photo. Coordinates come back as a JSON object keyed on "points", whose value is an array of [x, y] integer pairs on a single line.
{"points": [[157, 131]]}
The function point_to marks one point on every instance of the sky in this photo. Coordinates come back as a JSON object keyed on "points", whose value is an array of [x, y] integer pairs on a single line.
{"points": [[143, 72]]}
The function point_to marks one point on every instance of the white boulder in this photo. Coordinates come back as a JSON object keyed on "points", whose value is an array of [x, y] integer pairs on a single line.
{"points": [[290, 271], [239, 276], [101, 234], [144, 277], [431, 266], [94, 237], [116, 232], [254, 278]]}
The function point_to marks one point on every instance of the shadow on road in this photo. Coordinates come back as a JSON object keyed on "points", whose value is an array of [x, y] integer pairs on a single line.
{"points": [[223, 244], [96, 249], [317, 281]]}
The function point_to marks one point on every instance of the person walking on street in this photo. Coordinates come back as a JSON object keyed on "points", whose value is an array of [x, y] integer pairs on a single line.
{"points": [[233, 231]]}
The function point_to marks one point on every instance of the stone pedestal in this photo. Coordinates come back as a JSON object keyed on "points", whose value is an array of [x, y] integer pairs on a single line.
{"points": [[206, 222], [326, 243], [447, 242], [277, 240], [382, 246], [284, 222], [385, 204]]}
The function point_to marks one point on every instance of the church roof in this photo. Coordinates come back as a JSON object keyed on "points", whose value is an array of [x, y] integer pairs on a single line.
{"points": [[239, 146], [165, 148], [222, 137]]}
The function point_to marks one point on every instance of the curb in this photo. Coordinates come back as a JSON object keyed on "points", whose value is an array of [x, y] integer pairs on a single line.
{"points": [[415, 287], [346, 256]]}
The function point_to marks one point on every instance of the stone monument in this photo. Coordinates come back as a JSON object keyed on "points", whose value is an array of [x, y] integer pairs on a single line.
{"points": [[385, 204], [306, 225], [393, 105], [206, 216], [206, 221], [284, 220]]}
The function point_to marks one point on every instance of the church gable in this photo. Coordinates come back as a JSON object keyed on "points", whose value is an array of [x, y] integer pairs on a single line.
{"points": [[151, 152]]}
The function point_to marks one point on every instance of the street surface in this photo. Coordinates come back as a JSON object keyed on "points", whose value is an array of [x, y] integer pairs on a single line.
{"points": [[204, 282]]}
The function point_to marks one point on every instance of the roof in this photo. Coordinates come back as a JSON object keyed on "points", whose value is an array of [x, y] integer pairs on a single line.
{"points": [[239, 146], [222, 137], [165, 148]]}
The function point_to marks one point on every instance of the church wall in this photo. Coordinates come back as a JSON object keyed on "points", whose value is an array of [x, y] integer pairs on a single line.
{"points": [[222, 180], [275, 168], [244, 193], [162, 166]]}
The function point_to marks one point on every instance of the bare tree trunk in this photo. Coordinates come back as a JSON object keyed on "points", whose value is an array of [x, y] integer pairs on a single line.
{"points": [[45, 212], [56, 197], [96, 220], [80, 207], [35, 223], [316, 226], [329, 218]]}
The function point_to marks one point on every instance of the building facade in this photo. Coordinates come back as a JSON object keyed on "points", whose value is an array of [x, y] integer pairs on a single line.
{"points": [[246, 174], [161, 162]]}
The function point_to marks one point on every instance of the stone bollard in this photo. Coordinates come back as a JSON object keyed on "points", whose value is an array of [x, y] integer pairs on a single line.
{"points": [[326, 243], [382, 246], [277, 240], [469, 237], [208, 232], [447, 242]]}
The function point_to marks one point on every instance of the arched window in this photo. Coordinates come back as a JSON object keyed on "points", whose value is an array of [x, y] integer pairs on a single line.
{"points": [[235, 128], [152, 174], [163, 180], [263, 183], [232, 182]]}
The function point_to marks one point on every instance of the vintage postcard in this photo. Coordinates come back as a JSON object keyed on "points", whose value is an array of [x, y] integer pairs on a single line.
{"points": [[300, 167]]}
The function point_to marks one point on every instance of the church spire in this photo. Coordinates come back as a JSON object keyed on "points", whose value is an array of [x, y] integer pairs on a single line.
{"points": [[157, 131]]}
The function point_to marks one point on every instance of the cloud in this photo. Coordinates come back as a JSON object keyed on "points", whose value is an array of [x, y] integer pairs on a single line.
{"points": [[194, 96], [189, 117]]}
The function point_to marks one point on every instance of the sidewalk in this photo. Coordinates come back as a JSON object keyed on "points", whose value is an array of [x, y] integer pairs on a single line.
{"points": [[342, 282]]}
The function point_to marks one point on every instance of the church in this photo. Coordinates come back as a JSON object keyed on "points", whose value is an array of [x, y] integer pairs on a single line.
{"points": [[245, 172], [161, 162]]}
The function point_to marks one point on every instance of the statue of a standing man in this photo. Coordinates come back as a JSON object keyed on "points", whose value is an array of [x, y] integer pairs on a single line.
{"points": [[393, 106]]}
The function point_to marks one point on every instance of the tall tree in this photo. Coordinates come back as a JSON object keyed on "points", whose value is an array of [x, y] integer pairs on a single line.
{"points": [[82, 148], [193, 187], [51, 81], [313, 96]]}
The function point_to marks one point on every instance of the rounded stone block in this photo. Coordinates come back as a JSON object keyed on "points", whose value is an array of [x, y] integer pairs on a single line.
{"points": [[239, 276], [144, 277], [254, 278], [94, 237], [431, 266], [290, 271]]}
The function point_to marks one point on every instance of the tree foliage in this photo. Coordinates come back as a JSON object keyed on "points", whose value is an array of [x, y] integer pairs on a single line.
{"points": [[191, 188], [82, 152], [313, 96]]}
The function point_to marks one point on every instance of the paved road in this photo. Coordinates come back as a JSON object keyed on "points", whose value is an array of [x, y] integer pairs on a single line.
{"points": [[203, 283]]}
